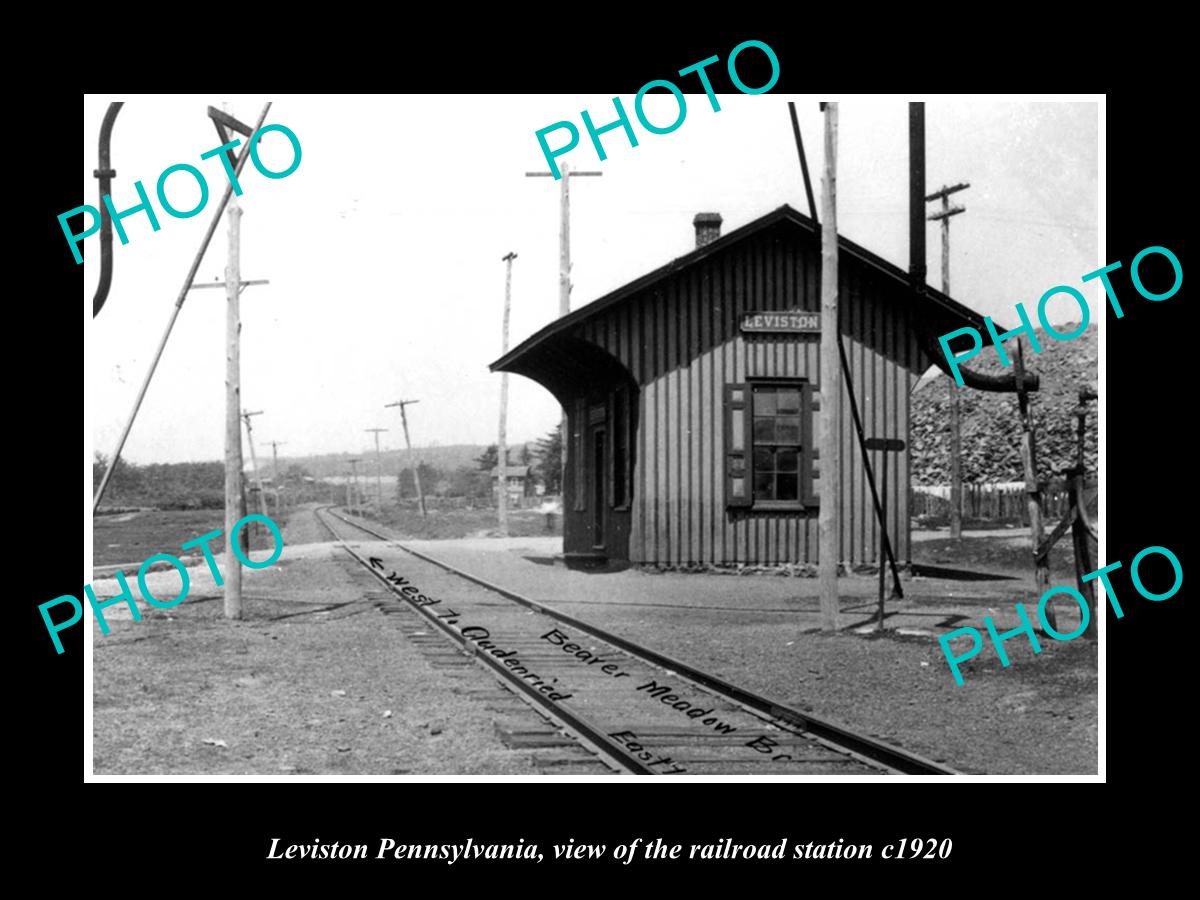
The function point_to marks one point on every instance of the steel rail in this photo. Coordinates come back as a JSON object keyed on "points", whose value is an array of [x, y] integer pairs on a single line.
{"points": [[895, 758], [591, 736]]}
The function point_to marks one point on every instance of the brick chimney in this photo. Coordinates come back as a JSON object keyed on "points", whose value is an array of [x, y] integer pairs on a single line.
{"points": [[708, 228]]}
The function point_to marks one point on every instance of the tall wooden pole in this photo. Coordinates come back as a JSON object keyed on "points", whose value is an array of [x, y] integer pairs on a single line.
{"points": [[1033, 488], [955, 461], [564, 307], [378, 470], [162, 343], [1079, 528], [262, 496], [502, 446], [233, 413], [408, 443], [354, 480], [955, 411], [564, 242], [564, 275], [275, 445], [412, 459], [831, 385]]}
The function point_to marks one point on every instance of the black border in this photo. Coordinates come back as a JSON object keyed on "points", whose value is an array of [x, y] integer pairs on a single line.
{"points": [[1008, 830]]}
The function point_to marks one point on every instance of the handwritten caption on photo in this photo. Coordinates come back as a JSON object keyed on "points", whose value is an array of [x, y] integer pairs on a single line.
{"points": [[482, 639]]}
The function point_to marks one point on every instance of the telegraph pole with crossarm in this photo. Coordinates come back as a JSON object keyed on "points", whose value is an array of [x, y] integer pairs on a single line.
{"points": [[354, 494], [262, 497], [955, 412], [275, 445], [378, 470], [502, 447], [411, 461], [564, 273]]}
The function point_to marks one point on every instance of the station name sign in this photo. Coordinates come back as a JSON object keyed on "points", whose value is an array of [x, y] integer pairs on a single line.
{"points": [[788, 322]]}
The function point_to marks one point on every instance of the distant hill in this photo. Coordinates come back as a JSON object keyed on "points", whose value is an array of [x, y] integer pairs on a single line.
{"points": [[990, 424], [201, 485], [445, 458]]}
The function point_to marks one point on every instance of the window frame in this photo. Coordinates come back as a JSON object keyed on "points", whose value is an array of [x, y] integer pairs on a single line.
{"points": [[620, 426], [807, 498]]}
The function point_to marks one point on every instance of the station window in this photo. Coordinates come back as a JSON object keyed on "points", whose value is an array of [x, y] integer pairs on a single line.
{"points": [[768, 444]]}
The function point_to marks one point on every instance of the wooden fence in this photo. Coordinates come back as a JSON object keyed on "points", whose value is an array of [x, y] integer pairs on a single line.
{"points": [[995, 503], [435, 502]]}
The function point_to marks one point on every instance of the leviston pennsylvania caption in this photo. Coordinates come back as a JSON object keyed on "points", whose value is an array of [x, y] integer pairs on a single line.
{"points": [[726, 849]]}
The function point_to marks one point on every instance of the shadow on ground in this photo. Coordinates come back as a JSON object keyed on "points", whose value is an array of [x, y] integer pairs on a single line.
{"points": [[927, 571]]}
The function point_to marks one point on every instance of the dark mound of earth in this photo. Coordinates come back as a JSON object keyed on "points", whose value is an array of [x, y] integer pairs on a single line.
{"points": [[990, 425]]}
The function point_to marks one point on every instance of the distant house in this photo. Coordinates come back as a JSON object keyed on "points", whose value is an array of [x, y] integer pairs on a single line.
{"points": [[519, 484]]}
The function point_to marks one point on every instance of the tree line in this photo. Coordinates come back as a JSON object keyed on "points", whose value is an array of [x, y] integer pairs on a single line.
{"points": [[201, 485], [543, 458]]}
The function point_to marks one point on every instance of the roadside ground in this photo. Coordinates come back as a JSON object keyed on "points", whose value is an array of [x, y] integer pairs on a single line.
{"points": [[170, 688], [314, 680], [1038, 715]]}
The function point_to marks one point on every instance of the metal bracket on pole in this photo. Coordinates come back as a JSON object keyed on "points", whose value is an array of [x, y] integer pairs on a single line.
{"points": [[162, 343], [105, 173], [221, 284], [224, 123]]}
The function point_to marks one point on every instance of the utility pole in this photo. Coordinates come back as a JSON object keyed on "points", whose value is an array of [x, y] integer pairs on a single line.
{"points": [[1033, 487], [235, 502], [411, 461], [262, 497], [828, 518], [564, 274], [239, 163], [275, 445], [955, 413], [233, 409], [354, 481], [502, 455], [1081, 529], [378, 471]]}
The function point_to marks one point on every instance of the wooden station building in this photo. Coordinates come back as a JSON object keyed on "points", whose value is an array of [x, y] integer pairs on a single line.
{"points": [[693, 401]]}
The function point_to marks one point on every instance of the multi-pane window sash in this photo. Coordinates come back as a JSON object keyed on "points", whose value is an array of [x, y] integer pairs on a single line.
{"points": [[769, 444]]}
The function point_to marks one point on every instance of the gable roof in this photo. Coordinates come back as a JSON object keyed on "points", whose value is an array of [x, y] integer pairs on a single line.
{"points": [[783, 213]]}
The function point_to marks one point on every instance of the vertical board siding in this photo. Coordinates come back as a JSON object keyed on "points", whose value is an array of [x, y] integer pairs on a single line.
{"points": [[660, 472], [695, 420], [680, 342]]}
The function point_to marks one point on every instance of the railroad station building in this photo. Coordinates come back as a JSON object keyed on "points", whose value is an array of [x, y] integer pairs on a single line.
{"points": [[694, 405]]}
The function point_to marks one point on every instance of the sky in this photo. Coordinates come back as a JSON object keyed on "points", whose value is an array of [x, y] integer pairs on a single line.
{"points": [[384, 247]]}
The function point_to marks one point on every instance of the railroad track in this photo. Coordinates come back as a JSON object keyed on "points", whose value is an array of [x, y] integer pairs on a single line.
{"points": [[638, 710]]}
